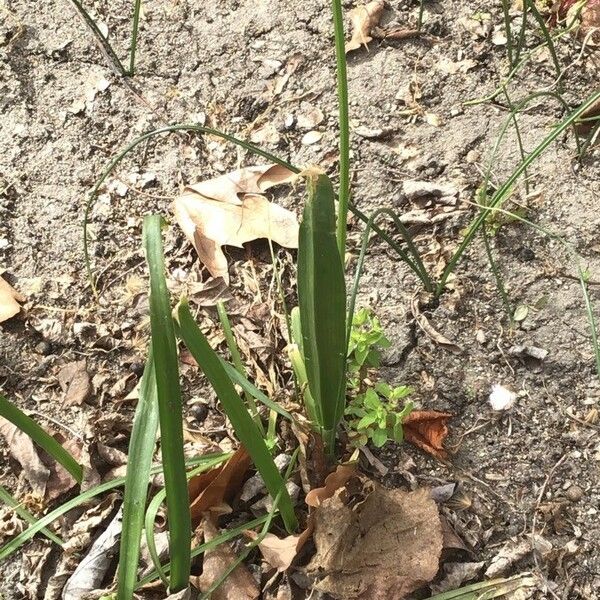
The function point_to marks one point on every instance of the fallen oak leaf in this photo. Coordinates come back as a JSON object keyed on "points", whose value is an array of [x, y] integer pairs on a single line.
{"points": [[239, 585], [9, 301], [382, 547], [363, 20], [212, 217], [23, 450], [211, 489], [231, 187], [427, 430]]}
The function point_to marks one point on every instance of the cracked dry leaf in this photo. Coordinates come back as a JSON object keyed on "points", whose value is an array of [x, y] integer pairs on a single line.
{"points": [[239, 585], [9, 301], [92, 569], [279, 553], [427, 430], [381, 548], [229, 210], [363, 19], [75, 382], [209, 490], [23, 450]]}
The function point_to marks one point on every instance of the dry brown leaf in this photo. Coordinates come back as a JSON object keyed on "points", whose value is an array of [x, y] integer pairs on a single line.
{"points": [[228, 210], [9, 301], [363, 19], [400, 33], [429, 330], [213, 488], [60, 480], [240, 585], [427, 430], [333, 482], [35, 564], [280, 552], [380, 548], [313, 462], [75, 381], [590, 22], [90, 572], [22, 449], [230, 188]]}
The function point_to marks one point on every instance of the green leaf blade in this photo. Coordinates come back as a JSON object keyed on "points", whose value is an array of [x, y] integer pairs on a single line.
{"points": [[322, 303], [245, 428], [166, 369], [42, 438], [139, 463]]}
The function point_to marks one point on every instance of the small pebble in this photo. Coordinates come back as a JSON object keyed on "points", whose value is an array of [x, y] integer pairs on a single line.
{"points": [[199, 411], [312, 137], [574, 493]]}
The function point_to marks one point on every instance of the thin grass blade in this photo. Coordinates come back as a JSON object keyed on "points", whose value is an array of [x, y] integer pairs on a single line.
{"points": [[139, 463], [58, 512], [322, 303], [155, 505], [43, 439], [251, 389], [166, 370], [245, 428], [22, 512], [237, 362], [344, 124]]}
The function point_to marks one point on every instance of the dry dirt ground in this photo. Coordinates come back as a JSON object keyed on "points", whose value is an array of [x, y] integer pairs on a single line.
{"points": [[65, 114]]}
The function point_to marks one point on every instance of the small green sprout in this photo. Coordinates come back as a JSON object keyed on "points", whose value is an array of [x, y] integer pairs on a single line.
{"points": [[371, 413]]}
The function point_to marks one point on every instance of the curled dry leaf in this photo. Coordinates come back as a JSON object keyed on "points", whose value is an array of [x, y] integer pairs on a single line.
{"points": [[211, 489], [9, 301], [427, 430], [75, 382], [239, 585], [333, 482], [91, 571], [280, 552], [430, 331], [363, 20], [23, 450], [384, 546], [229, 210]]}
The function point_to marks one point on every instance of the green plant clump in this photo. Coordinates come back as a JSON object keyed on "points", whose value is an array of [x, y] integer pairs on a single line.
{"points": [[372, 412]]}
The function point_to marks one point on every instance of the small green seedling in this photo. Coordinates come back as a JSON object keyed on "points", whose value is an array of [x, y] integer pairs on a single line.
{"points": [[367, 339], [372, 411], [372, 415]]}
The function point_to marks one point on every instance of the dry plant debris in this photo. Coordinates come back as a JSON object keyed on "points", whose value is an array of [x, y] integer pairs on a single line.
{"points": [[239, 585], [23, 450], [363, 20], [74, 381], [90, 572], [279, 553], [9, 301], [231, 210], [373, 543], [427, 430], [211, 490]]}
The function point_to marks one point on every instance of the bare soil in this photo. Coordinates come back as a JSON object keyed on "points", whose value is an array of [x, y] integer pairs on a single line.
{"points": [[530, 474]]}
